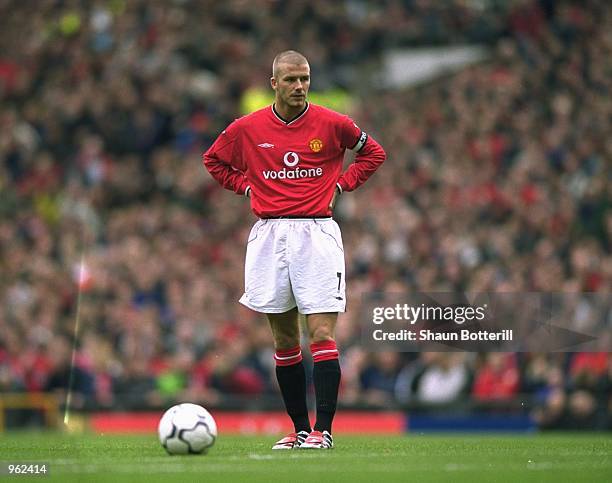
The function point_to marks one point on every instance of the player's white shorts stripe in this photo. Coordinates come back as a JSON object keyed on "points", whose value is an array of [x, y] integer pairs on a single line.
{"points": [[295, 262]]}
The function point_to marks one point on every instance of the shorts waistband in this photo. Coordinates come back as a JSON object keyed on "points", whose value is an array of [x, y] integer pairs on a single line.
{"points": [[297, 217]]}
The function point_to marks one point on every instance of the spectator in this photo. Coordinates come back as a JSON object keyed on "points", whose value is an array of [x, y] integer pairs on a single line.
{"points": [[497, 378], [443, 380], [67, 380]]}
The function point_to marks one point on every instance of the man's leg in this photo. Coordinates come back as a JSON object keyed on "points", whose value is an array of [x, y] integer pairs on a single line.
{"points": [[289, 367], [326, 370]]}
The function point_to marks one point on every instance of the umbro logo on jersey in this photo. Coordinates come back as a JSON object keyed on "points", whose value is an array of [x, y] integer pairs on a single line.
{"points": [[265, 145]]}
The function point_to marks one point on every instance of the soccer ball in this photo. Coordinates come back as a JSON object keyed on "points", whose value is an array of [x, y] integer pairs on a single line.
{"points": [[187, 429]]}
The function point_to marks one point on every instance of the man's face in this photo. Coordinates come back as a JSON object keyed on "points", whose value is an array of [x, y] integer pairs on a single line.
{"points": [[291, 84]]}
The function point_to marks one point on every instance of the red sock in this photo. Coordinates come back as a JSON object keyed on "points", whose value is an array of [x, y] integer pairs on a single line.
{"points": [[326, 378], [325, 350], [288, 357], [292, 383]]}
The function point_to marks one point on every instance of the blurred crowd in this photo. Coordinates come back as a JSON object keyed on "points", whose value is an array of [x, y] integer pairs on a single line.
{"points": [[498, 179]]}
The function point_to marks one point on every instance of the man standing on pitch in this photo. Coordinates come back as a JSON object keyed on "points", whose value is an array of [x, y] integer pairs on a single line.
{"points": [[288, 159]]}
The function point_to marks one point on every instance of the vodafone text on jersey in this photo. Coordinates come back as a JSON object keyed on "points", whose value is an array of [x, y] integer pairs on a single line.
{"points": [[291, 160]]}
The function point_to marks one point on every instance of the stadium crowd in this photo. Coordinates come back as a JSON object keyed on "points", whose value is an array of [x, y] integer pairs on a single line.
{"points": [[498, 179]]}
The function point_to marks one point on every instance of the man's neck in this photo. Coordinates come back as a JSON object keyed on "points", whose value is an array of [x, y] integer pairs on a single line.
{"points": [[288, 113]]}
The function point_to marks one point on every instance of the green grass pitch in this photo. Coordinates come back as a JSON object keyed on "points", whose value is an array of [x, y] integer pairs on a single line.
{"points": [[378, 459]]}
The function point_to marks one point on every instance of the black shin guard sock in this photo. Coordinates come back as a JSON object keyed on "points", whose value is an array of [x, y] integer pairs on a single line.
{"points": [[326, 377], [292, 383]]}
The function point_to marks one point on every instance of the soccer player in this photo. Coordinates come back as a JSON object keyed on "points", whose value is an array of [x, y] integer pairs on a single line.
{"points": [[288, 159]]}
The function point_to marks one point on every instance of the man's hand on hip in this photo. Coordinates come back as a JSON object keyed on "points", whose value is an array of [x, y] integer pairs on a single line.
{"points": [[332, 203]]}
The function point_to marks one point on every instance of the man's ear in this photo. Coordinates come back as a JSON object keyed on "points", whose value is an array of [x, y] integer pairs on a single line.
{"points": [[273, 82]]}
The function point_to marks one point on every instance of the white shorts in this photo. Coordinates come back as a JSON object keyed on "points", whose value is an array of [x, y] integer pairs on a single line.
{"points": [[295, 262]]}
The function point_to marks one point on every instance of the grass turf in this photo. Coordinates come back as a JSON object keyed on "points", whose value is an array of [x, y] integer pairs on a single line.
{"points": [[94, 458]]}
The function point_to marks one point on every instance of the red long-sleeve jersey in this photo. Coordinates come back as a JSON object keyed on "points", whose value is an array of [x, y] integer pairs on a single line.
{"points": [[292, 168]]}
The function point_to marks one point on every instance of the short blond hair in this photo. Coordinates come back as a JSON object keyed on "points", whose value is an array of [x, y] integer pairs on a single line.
{"points": [[290, 57]]}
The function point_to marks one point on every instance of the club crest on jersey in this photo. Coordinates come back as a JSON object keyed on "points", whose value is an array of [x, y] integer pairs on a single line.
{"points": [[315, 145]]}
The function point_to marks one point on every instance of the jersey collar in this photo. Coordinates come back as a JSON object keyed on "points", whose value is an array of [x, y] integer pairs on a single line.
{"points": [[277, 115]]}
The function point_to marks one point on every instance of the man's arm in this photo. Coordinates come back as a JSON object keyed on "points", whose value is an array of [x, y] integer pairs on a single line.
{"points": [[370, 155], [332, 203], [224, 162]]}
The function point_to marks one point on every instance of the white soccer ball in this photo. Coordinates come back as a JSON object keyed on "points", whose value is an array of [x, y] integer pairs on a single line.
{"points": [[187, 429]]}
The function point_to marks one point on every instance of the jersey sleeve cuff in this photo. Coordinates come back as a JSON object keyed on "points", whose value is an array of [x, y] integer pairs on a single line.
{"points": [[247, 192], [342, 185]]}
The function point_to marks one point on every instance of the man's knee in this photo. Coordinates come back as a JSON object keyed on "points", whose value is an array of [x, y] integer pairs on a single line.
{"points": [[286, 341], [321, 330], [285, 329]]}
